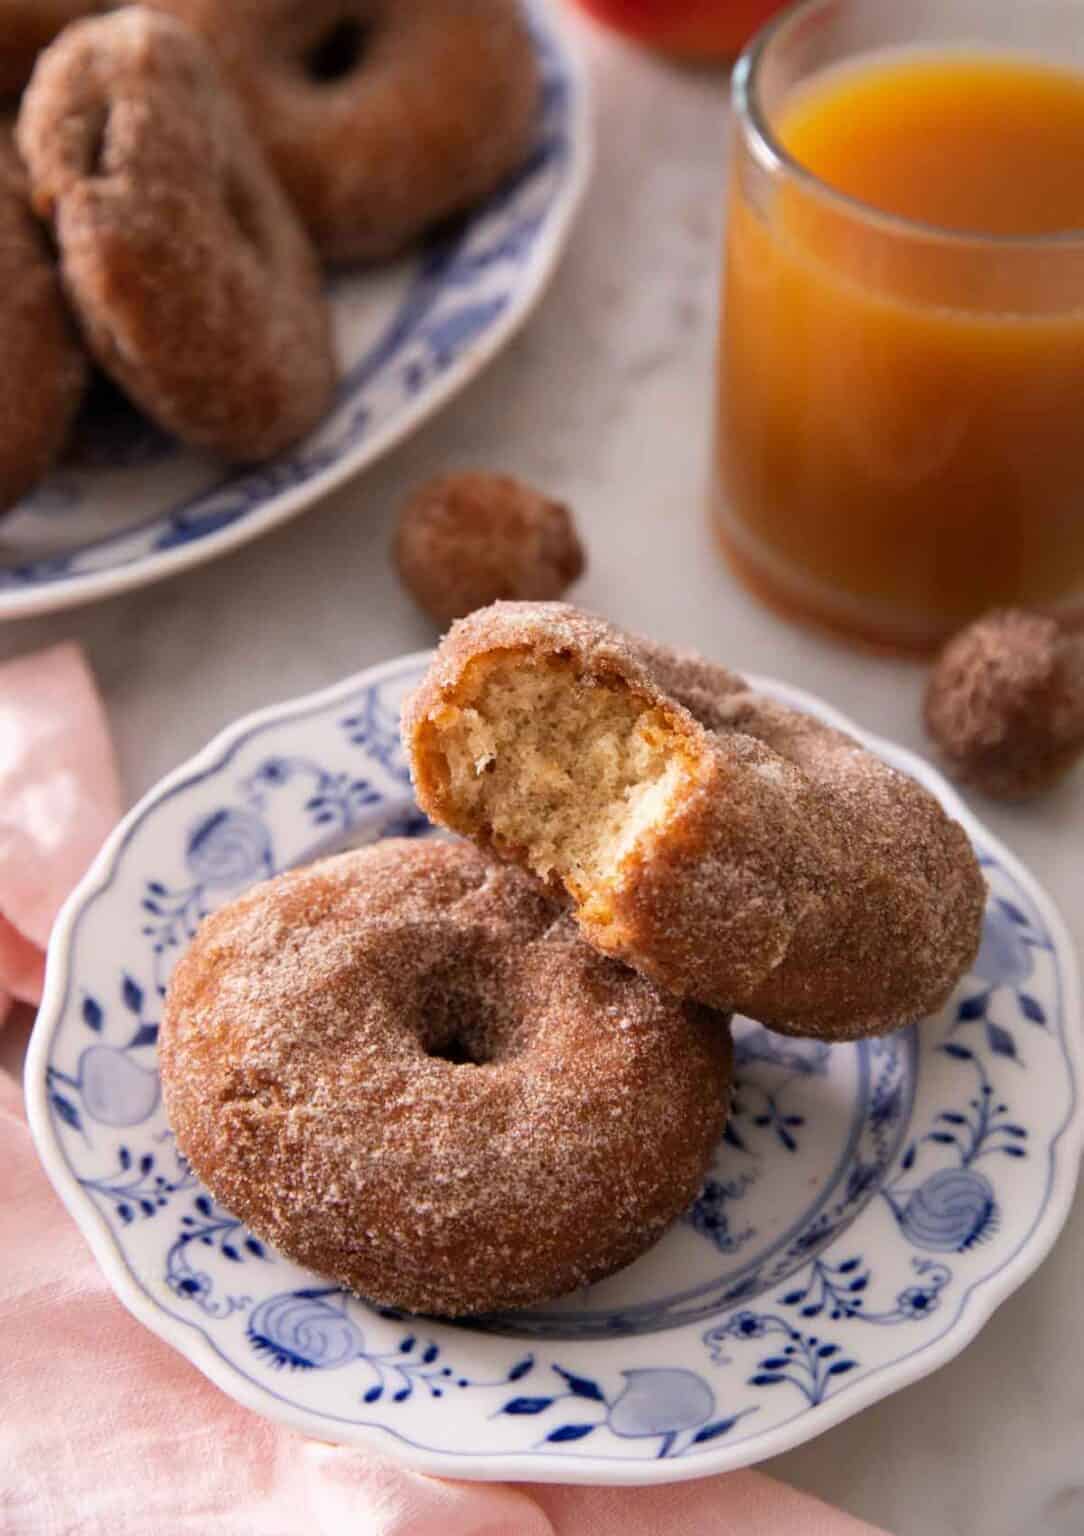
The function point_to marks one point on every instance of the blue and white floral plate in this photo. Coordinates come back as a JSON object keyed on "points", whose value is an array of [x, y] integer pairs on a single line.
{"points": [[130, 506], [867, 1210]]}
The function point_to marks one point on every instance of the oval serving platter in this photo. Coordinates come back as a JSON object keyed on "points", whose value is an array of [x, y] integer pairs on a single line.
{"points": [[868, 1207], [130, 506]]}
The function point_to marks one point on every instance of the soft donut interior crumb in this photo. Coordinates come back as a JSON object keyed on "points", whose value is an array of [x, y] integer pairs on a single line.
{"points": [[571, 773]]}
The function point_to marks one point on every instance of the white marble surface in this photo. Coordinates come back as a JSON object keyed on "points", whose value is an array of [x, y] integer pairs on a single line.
{"points": [[606, 399]]}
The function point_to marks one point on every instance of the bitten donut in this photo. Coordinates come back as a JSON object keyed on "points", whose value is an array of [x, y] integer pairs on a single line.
{"points": [[381, 117], [42, 366], [28, 26], [195, 285], [406, 1070], [736, 851]]}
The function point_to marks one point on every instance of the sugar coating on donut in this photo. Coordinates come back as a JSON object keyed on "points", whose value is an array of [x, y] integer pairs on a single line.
{"points": [[1005, 703], [381, 117], [734, 850], [43, 368], [196, 287], [405, 1069]]}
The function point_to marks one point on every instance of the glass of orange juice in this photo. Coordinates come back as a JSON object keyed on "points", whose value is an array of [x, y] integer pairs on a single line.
{"points": [[901, 410]]}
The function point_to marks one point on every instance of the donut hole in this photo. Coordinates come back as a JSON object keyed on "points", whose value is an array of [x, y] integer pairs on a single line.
{"points": [[338, 52], [571, 774], [456, 1027]]}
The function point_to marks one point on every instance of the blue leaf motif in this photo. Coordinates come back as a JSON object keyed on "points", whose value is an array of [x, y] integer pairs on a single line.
{"points": [[841, 1367], [520, 1369], [133, 995], [960, 1052], [92, 1013], [569, 1432], [765, 1379], [1000, 1041], [66, 1111], [581, 1386], [713, 1431], [527, 1405], [146, 1034], [1031, 1008], [972, 1008]]}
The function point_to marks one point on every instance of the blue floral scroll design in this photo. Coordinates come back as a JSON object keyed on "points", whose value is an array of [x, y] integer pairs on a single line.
{"points": [[836, 1292], [110, 1085], [333, 802], [955, 1207], [674, 1407], [142, 1184], [840, 1291], [208, 1227], [374, 727], [1004, 965], [314, 1330], [804, 1361]]}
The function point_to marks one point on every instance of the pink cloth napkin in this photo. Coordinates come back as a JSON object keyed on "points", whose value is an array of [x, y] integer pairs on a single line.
{"points": [[59, 797], [104, 1430]]}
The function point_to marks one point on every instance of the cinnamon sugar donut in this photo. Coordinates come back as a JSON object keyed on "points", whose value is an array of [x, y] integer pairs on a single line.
{"points": [[42, 366], [406, 1070], [736, 851], [28, 26], [381, 117], [195, 285]]}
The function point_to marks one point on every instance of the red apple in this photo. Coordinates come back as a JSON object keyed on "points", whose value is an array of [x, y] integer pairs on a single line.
{"points": [[692, 29]]}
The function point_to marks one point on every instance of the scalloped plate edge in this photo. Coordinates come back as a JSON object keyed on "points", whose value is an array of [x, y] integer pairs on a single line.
{"points": [[976, 1306]]}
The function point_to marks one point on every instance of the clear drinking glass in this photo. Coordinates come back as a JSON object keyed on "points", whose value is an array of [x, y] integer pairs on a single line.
{"points": [[901, 405]]}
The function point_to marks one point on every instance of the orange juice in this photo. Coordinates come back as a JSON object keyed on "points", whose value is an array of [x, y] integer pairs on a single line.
{"points": [[902, 411]]}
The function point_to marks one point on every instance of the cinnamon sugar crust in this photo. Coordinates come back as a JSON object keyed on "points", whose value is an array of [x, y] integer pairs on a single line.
{"points": [[736, 851], [195, 285], [468, 539], [43, 369], [381, 117], [405, 1069]]}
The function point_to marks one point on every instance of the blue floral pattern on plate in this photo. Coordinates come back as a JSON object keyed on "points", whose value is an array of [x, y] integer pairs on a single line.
{"points": [[865, 1209], [130, 505]]}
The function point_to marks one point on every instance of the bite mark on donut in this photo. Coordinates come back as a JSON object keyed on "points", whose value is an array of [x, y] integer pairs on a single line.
{"points": [[338, 52], [244, 211], [577, 780], [95, 141]]}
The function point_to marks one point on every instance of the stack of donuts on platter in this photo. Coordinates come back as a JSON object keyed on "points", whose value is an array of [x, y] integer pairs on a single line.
{"points": [[175, 176], [466, 1076]]}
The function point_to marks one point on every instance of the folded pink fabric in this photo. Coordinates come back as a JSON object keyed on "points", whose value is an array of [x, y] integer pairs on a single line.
{"points": [[104, 1430], [59, 797]]}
